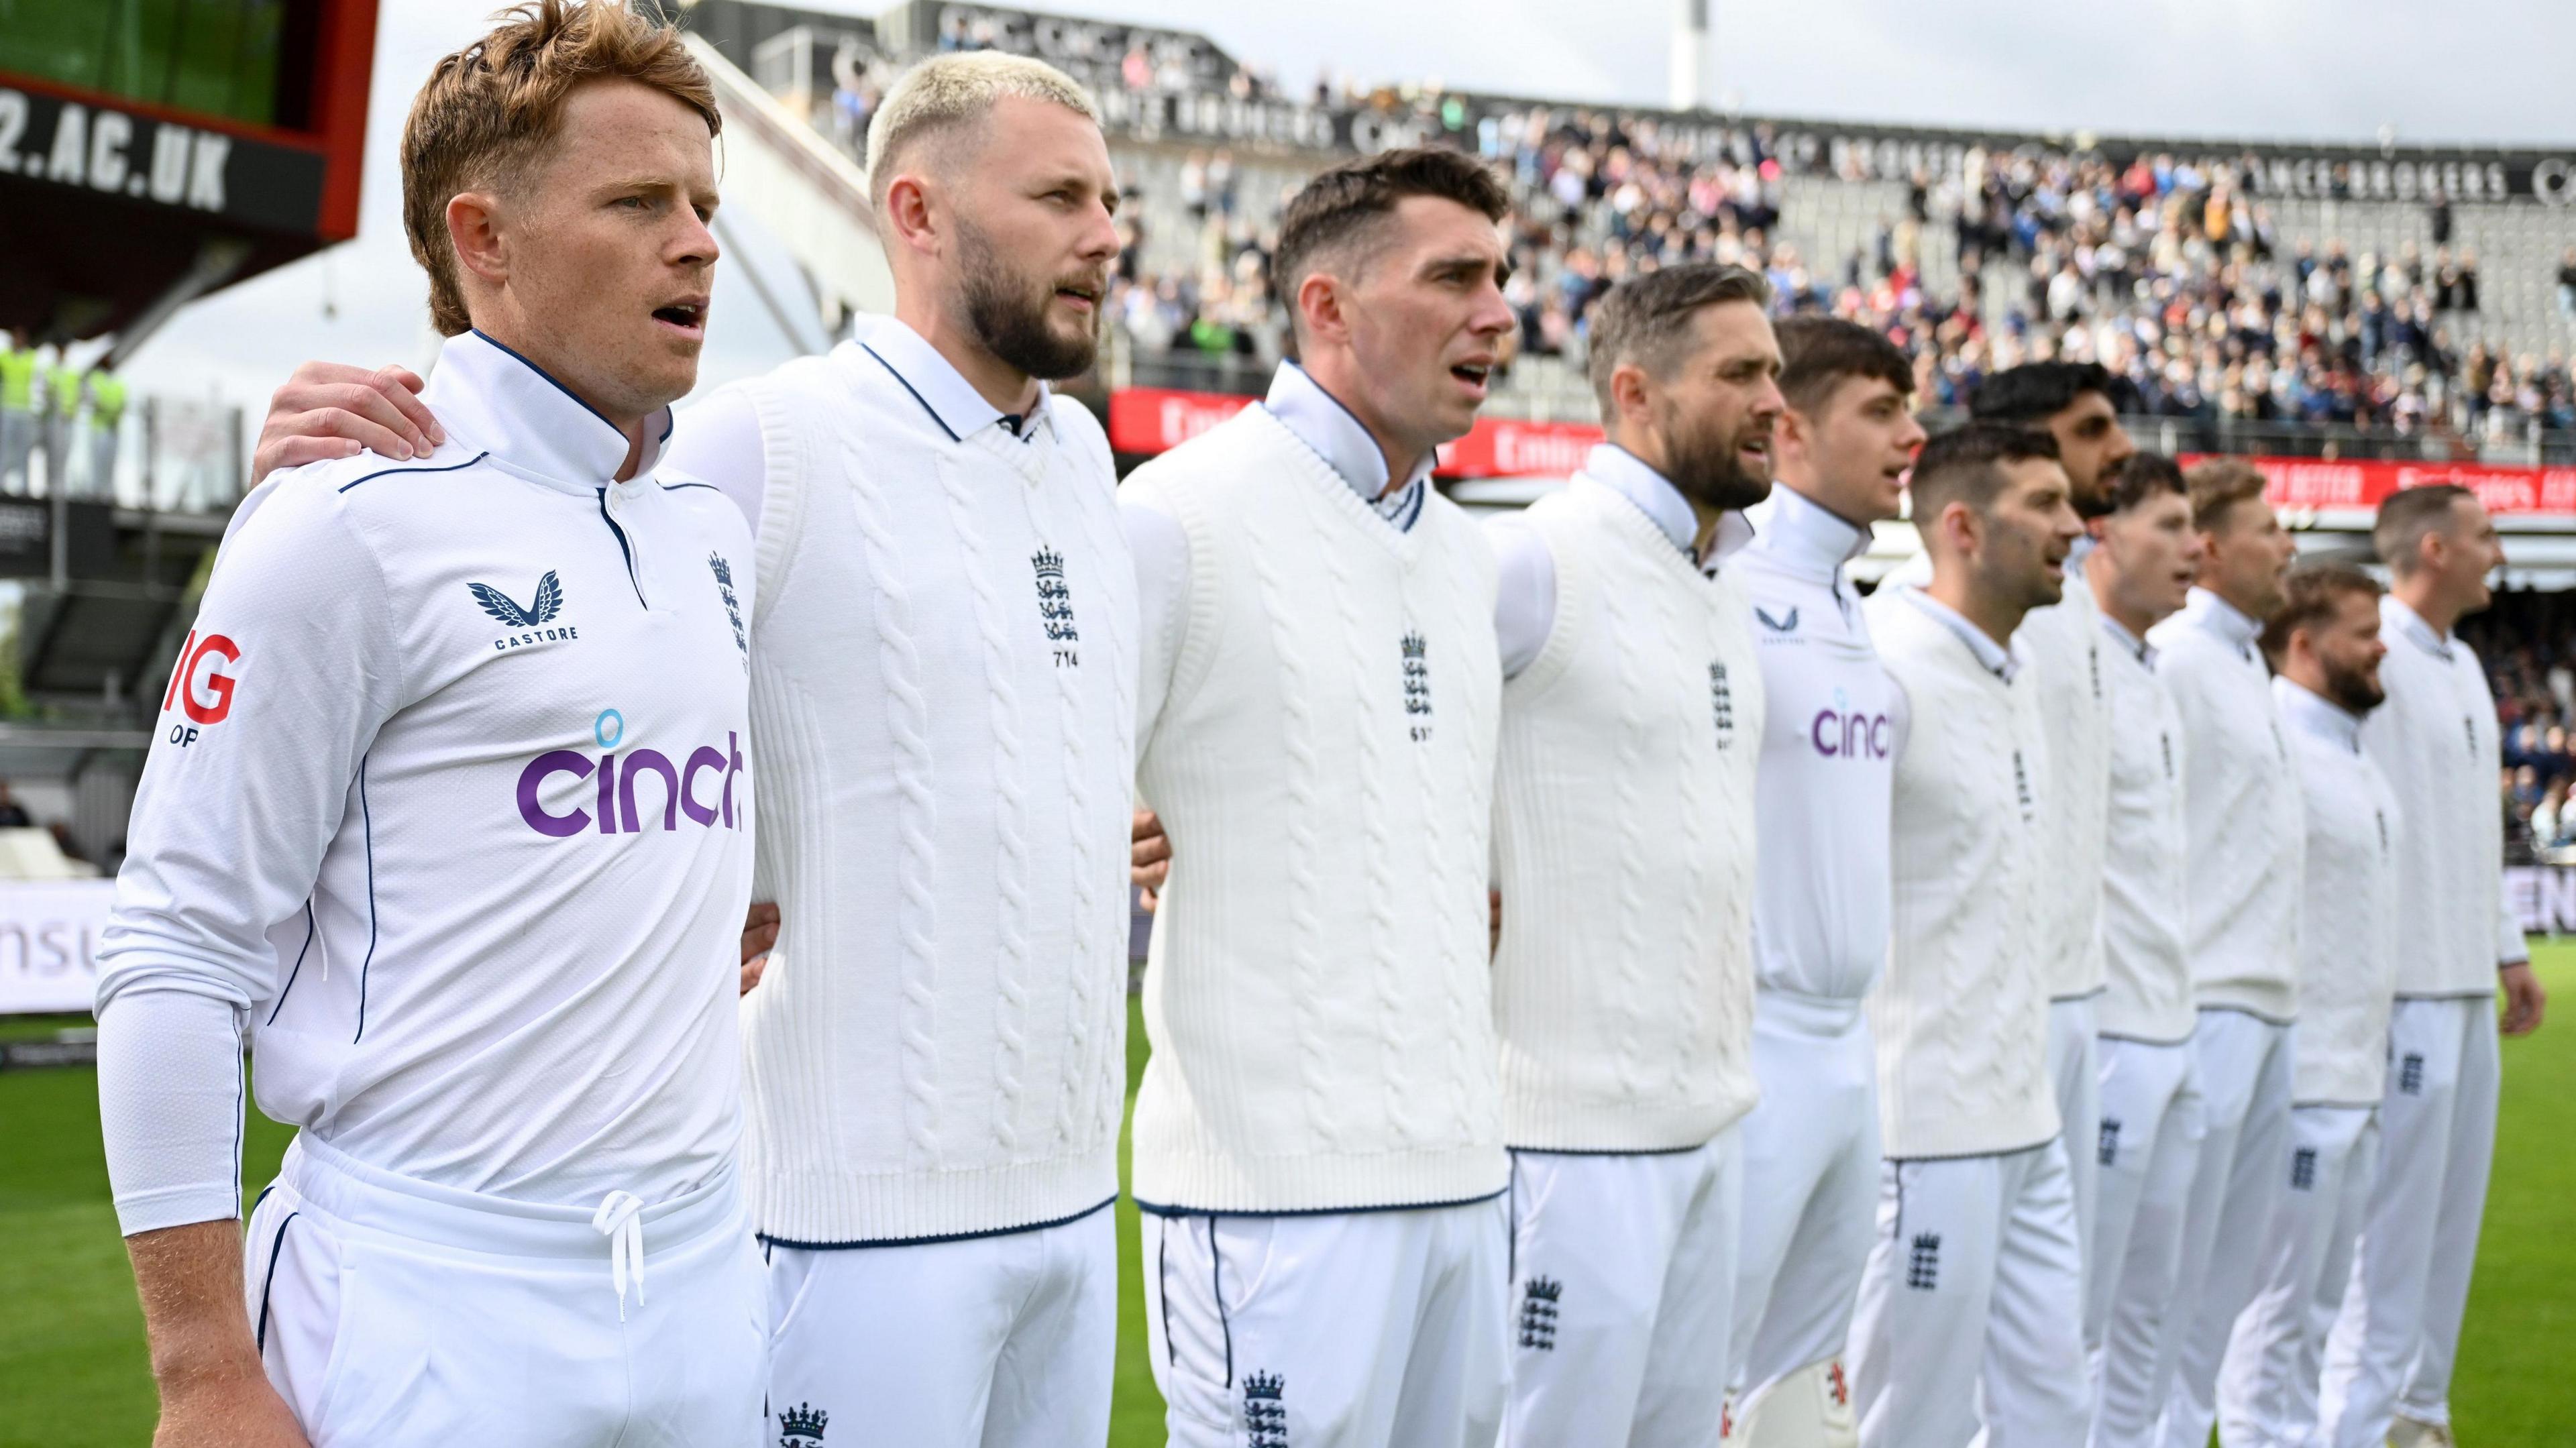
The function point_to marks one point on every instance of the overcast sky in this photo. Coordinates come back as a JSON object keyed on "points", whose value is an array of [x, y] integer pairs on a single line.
{"points": [[2465, 70]]}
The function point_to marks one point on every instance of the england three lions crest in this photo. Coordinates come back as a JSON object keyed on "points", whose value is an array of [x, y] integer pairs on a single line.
{"points": [[1055, 607]]}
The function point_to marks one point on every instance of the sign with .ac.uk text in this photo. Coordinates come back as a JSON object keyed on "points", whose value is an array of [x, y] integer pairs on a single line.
{"points": [[156, 162]]}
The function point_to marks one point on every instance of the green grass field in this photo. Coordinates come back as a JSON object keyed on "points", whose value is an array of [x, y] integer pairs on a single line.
{"points": [[73, 1373]]}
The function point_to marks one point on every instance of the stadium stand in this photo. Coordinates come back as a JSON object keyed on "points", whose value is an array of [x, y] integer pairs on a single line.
{"points": [[2361, 301]]}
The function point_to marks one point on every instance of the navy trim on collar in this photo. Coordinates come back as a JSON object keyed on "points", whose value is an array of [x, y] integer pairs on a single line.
{"points": [[895, 373], [514, 354], [389, 472]]}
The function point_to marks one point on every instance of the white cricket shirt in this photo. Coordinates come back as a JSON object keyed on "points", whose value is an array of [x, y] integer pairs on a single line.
{"points": [[2147, 992], [2241, 801], [1820, 895], [2348, 942], [2436, 740], [449, 807]]}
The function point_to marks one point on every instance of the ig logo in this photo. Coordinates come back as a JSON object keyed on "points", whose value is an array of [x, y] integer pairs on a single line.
{"points": [[201, 687]]}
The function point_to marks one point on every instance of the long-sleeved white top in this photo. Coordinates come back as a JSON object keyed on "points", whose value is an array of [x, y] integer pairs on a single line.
{"points": [[450, 808], [2436, 740], [1821, 790], [2348, 941], [2146, 870], [1525, 571], [2241, 801], [942, 688]]}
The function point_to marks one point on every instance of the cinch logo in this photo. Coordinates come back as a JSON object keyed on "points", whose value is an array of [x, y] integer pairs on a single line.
{"points": [[1840, 733], [616, 774], [201, 687]]}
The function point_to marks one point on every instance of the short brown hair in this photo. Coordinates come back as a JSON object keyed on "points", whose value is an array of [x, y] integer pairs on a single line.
{"points": [[2311, 594], [1966, 465], [2145, 475], [2409, 515], [1817, 353], [490, 109], [1644, 319], [1350, 202], [2217, 487]]}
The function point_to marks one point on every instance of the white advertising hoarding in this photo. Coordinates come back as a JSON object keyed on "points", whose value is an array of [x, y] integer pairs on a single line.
{"points": [[49, 933]]}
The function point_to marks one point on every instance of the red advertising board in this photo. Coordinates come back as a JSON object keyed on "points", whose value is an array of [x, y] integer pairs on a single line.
{"points": [[2339, 486], [1153, 419]]}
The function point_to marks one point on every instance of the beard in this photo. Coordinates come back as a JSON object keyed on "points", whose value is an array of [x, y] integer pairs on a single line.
{"points": [[2093, 503], [1006, 311], [1707, 465], [2353, 690]]}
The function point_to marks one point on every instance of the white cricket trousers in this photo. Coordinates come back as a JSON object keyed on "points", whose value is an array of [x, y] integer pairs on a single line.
{"points": [[1971, 1310], [1378, 1329], [2267, 1387], [1811, 1195], [1007, 1340], [2245, 1082], [2399, 1331], [2073, 1067], [393, 1313], [2146, 1149], [1622, 1274]]}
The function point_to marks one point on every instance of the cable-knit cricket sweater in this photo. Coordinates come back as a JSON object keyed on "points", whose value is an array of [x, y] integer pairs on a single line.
{"points": [[2064, 644], [1961, 1014], [1317, 991], [2240, 796], [2146, 878], [1623, 842], [2348, 936], [2437, 741], [943, 694]]}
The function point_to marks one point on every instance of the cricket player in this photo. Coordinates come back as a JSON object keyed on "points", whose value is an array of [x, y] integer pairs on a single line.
{"points": [[2388, 1366], [1971, 1308], [2246, 827], [450, 809], [2144, 559], [2072, 403], [1319, 1135], [943, 685], [1632, 718], [1820, 902], [2325, 647]]}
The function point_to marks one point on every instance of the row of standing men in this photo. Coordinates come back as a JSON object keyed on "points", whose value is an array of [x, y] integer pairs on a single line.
{"points": [[1405, 1182]]}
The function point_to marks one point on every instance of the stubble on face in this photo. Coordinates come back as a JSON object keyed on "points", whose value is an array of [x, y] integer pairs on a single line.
{"points": [[1705, 459], [1007, 310]]}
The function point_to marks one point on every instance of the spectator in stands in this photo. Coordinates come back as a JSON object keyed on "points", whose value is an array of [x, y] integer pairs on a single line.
{"points": [[13, 815], [2545, 816]]}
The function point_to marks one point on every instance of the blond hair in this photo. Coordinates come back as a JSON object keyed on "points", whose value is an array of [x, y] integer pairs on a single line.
{"points": [[490, 109], [947, 96]]}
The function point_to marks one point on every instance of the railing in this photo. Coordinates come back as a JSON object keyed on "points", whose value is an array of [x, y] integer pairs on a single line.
{"points": [[168, 455]]}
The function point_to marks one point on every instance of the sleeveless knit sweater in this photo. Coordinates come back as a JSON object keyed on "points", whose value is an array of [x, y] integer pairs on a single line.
{"points": [[1961, 1015], [1317, 990], [943, 690], [1623, 988], [2064, 644]]}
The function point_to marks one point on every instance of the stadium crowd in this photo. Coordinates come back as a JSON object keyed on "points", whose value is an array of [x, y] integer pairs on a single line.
{"points": [[2172, 276], [2531, 663]]}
